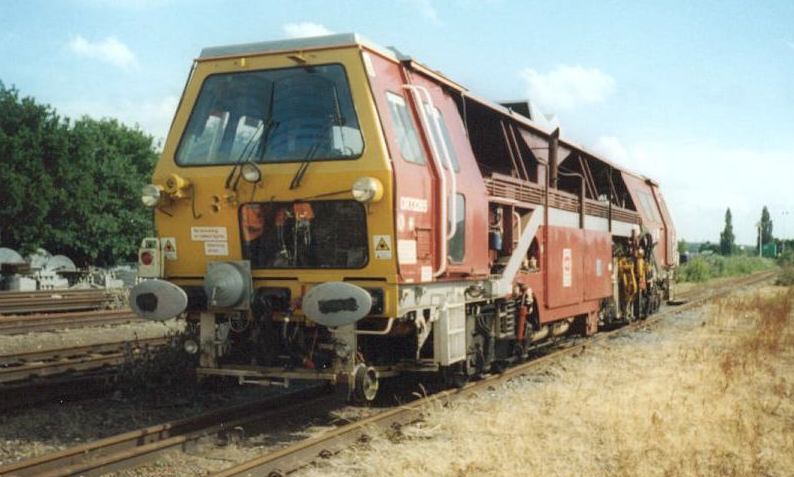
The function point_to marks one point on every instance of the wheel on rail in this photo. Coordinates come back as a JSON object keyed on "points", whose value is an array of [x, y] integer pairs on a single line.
{"points": [[365, 384]]}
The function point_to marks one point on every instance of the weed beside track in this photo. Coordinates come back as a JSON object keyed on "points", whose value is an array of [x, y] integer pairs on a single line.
{"points": [[708, 392]]}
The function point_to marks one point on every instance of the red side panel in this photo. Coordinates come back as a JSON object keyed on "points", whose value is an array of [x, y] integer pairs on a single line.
{"points": [[672, 240], [597, 265], [565, 257], [653, 217], [414, 184], [470, 183]]}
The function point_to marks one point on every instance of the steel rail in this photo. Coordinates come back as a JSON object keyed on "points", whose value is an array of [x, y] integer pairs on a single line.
{"points": [[143, 445], [18, 324], [303, 453], [42, 364], [9, 295], [55, 300]]}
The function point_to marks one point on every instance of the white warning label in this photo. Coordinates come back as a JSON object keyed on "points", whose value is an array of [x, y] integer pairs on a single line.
{"points": [[211, 234], [567, 268], [169, 247], [216, 248], [406, 251], [382, 245]]}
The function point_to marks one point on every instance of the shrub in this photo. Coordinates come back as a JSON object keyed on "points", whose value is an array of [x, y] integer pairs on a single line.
{"points": [[696, 270], [705, 267], [786, 277]]}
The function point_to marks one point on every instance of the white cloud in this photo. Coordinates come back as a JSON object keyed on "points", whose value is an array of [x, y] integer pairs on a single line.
{"points": [[611, 149], [700, 180], [425, 8], [152, 116], [109, 50], [566, 87], [304, 29]]}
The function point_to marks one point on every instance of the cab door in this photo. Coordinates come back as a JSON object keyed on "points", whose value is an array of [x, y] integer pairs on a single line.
{"points": [[467, 252], [415, 182]]}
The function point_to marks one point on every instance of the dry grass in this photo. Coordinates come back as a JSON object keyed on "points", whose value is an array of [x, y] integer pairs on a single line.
{"points": [[709, 393]]}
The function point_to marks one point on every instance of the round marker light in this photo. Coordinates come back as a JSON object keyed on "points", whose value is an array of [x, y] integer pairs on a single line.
{"points": [[251, 172], [151, 195], [147, 258], [367, 189], [191, 347]]}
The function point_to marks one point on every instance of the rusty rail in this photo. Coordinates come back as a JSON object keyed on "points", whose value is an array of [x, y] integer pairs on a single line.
{"points": [[42, 364], [143, 445], [54, 300], [17, 324]]}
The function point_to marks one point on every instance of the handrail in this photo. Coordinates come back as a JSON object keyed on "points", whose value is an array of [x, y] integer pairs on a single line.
{"points": [[416, 91], [453, 222]]}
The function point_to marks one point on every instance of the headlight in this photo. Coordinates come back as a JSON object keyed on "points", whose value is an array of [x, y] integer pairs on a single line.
{"points": [[191, 347], [151, 195], [251, 172], [367, 189]]}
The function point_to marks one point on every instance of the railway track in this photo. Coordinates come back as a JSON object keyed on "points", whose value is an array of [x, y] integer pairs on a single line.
{"points": [[18, 367], [301, 454], [54, 300], [19, 324], [144, 445]]}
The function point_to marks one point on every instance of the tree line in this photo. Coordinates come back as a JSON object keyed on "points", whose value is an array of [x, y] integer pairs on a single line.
{"points": [[766, 242], [72, 187]]}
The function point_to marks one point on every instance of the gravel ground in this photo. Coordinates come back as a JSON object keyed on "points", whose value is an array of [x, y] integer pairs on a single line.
{"points": [[65, 338], [209, 455], [37, 431]]}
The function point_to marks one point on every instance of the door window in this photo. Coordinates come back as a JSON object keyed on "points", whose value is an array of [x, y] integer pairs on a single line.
{"points": [[431, 115], [407, 137], [456, 245]]}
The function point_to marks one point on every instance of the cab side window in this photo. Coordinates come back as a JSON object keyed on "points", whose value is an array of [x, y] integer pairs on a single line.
{"points": [[456, 245], [433, 114], [404, 128]]}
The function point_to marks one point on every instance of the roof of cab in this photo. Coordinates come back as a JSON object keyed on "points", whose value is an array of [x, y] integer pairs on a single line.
{"points": [[297, 44]]}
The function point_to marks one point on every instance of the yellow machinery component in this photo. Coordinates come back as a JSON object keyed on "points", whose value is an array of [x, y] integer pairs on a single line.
{"points": [[627, 279], [176, 186], [641, 267]]}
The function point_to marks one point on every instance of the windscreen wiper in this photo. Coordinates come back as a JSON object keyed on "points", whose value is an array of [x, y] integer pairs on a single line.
{"points": [[336, 119], [242, 157], [261, 146], [267, 127], [307, 159]]}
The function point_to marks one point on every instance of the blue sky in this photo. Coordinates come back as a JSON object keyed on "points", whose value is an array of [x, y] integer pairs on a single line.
{"points": [[698, 95]]}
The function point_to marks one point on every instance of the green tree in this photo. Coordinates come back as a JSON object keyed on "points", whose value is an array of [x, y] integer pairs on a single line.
{"points": [[72, 188], [727, 238], [32, 138], [682, 246], [766, 227]]}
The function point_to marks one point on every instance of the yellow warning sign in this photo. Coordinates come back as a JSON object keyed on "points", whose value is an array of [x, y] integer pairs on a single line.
{"points": [[169, 248], [382, 245]]}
